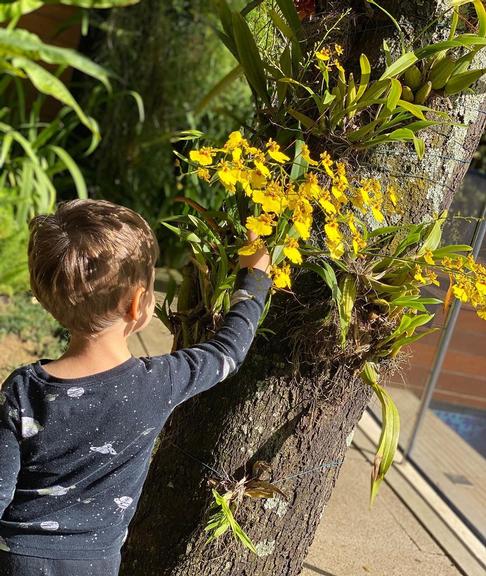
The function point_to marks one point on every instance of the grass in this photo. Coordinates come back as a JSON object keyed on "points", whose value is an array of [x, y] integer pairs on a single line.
{"points": [[23, 317]]}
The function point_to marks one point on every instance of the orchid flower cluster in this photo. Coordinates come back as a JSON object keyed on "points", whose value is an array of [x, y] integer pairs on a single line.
{"points": [[283, 207]]}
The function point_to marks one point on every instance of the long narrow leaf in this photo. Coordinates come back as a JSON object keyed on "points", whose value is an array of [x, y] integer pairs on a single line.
{"points": [[249, 57], [74, 170], [50, 85]]}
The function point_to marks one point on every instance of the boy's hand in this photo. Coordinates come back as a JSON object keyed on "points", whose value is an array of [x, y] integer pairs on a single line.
{"points": [[261, 258]]}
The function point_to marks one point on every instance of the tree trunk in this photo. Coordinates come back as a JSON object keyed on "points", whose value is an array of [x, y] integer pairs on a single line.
{"points": [[299, 423], [296, 417]]}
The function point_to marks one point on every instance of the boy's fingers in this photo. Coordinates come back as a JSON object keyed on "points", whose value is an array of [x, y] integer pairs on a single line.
{"points": [[251, 235]]}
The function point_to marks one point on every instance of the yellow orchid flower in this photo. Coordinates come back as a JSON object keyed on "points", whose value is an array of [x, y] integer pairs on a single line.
{"points": [[260, 166], [305, 153], [229, 176], [203, 156], [281, 276], [291, 250], [235, 140], [274, 152], [377, 214], [326, 163], [257, 179], [418, 275], [432, 277], [261, 225], [310, 188], [323, 55], [325, 202], [428, 257], [392, 195], [252, 247], [204, 174], [270, 202], [332, 232], [460, 293]]}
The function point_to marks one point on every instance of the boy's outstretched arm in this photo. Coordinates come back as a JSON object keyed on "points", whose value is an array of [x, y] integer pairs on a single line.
{"points": [[198, 368], [9, 451]]}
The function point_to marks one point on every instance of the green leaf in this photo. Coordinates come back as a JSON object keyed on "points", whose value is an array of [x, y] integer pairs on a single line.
{"points": [[365, 66], [249, 57], [390, 430], [302, 118], [299, 165], [74, 170], [466, 40], [50, 85], [405, 341], [447, 250], [414, 109], [399, 66], [290, 14], [460, 82], [22, 43], [346, 304], [394, 95], [411, 300], [327, 273], [433, 235], [481, 13], [223, 518], [361, 133], [419, 145]]}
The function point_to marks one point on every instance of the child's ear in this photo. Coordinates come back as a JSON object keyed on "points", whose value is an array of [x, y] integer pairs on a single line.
{"points": [[134, 309]]}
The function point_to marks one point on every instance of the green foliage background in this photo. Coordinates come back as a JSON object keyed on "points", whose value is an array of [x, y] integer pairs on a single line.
{"points": [[168, 53]]}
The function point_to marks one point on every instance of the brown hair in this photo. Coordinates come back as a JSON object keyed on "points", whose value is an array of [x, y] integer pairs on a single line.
{"points": [[86, 259]]}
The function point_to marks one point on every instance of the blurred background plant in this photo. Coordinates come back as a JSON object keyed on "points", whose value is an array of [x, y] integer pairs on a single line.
{"points": [[44, 131], [183, 60]]}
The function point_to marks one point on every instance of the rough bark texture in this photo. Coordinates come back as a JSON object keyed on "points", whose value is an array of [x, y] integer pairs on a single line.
{"points": [[299, 423]]}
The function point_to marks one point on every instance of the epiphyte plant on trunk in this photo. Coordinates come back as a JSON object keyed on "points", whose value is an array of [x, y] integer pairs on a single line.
{"points": [[333, 105], [370, 268]]}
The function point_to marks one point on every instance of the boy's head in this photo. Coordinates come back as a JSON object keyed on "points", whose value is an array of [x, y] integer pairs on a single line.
{"points": [[88, 260]]}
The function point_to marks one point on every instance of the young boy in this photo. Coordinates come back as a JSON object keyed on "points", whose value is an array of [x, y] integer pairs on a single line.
{"points": [[76, 433]]}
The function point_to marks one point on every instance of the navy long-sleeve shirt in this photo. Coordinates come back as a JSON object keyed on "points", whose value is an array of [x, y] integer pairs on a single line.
{"points": [[74, 453]]}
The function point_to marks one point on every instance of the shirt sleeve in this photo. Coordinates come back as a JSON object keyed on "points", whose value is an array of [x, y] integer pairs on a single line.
{"points": [[9, 452], [197, 368]]}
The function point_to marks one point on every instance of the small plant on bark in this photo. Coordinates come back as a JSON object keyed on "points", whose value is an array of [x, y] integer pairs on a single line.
{"points": [[306, 84]]}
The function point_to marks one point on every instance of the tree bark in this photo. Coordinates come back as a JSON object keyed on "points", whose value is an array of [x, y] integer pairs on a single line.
{"points": [[296, 417]]}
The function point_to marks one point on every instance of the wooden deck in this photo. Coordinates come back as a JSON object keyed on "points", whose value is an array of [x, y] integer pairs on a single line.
{"points": [[455, 469]]}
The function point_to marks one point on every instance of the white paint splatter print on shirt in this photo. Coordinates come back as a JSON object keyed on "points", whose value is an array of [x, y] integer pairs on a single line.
{"points": [[30, 427], [54, 490], [75, 392], [228, 366], [123, 502], [49, 525], [239, 296], [105, 449]]}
